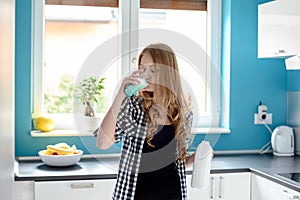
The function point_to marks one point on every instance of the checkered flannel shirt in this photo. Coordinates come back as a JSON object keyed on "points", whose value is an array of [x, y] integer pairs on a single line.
{"points": [[131, 126]]}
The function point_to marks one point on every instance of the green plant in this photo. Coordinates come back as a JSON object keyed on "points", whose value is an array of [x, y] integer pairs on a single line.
{"points": [[88, 91]]}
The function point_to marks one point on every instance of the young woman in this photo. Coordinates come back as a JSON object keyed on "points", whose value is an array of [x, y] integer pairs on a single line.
{"points": [[154, 125]]}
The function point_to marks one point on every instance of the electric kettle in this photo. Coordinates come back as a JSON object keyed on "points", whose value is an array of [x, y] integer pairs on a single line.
{"points": [[282, 141]]}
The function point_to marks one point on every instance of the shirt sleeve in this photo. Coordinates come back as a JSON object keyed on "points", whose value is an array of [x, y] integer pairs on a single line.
{"points": [[122, 120], [189, 118]]}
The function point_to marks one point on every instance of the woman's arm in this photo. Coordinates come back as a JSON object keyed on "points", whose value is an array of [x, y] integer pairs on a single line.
{"points": [[106, 131], [190, 158]]}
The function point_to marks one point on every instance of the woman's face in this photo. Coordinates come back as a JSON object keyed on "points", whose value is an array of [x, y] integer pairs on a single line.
{"points": [[148, 71]]}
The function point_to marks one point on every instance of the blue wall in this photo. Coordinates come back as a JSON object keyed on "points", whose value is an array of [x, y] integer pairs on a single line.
{"points": [[251, 80], [293, 80]]}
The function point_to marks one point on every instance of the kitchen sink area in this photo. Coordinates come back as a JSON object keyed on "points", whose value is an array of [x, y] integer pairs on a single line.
{"points": [[292, 176]]}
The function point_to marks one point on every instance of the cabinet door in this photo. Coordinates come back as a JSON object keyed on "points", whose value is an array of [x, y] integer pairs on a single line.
{"points": [[264, 189], [259, 188], [24, 190], [280, 192], [75, 190], [227, 186], [196, 194], [278, 28], [233, 186]]}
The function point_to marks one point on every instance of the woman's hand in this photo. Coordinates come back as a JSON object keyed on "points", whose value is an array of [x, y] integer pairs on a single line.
{"points": [[131, 79], [190, 160]]}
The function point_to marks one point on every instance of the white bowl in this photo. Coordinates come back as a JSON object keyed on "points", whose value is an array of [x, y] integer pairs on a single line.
{"points": [[60, 160]]}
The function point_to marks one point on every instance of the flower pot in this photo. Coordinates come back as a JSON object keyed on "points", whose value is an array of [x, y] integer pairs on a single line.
{"points": [[87, 124]]}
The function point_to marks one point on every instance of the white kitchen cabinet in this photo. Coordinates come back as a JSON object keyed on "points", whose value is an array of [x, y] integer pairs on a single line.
{"points": [[264, 189], [23, 190], [278, 29], [259, 188], [75, 190], [194, 194], [225, 186], [280, 192]]}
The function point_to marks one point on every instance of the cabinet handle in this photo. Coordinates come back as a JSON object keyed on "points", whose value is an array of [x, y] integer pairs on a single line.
{"points": [[281, 51], [82, 185], [221, 187], [212, 186], [290, 196]]}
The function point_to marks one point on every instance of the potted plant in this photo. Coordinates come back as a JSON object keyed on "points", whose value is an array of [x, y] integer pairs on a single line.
{"points": [[88, 92]]}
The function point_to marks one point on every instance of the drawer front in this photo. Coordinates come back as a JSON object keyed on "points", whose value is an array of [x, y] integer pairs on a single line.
{"points": [[75, 190]]}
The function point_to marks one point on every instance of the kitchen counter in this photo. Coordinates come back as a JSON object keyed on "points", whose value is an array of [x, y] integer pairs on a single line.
{"points": [[265, 165]]}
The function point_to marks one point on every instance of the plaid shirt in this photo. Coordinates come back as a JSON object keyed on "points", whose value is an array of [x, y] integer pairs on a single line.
{"points": [[131, 124]]}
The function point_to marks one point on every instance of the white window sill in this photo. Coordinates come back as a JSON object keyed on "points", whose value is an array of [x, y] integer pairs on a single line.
{"points": [[216, 130], [59, 133], [70, 133]]}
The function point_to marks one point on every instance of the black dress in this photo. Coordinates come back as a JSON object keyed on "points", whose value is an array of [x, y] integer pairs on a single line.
{"points": [[158, 179]]}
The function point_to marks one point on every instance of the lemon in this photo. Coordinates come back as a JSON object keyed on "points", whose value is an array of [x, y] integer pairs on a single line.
{"points": [[44, 124]]}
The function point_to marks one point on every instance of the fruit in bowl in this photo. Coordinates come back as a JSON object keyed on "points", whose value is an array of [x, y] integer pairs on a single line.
{"points": [[60, 154]]}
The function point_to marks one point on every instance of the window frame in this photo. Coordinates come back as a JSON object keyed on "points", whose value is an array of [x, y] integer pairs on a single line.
{"points": [[209, 123]]}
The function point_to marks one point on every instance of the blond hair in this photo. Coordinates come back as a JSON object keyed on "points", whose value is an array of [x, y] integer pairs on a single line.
{"points": [[169, 86]]}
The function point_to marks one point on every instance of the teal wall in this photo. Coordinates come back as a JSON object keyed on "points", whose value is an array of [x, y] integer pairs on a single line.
{"points": [[251, 80], [293, 80]]}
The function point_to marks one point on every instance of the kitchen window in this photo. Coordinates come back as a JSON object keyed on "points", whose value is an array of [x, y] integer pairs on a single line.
{"points": [[65, 35]]}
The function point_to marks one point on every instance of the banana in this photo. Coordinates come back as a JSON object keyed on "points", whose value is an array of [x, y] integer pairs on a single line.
{"points": [[73, 147], [60, 151], [48, 153], [62, 145]]}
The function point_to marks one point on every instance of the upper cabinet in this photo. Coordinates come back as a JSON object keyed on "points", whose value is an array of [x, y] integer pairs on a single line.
{"points": [[279, 29]]}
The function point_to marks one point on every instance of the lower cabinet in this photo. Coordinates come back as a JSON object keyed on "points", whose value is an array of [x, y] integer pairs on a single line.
{"points": [[225, 186], [264, 189], [23, 190], [75, 190]]}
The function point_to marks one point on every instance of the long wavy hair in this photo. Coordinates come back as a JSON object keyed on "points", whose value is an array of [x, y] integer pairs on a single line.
{"points": [[168, 84]]}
